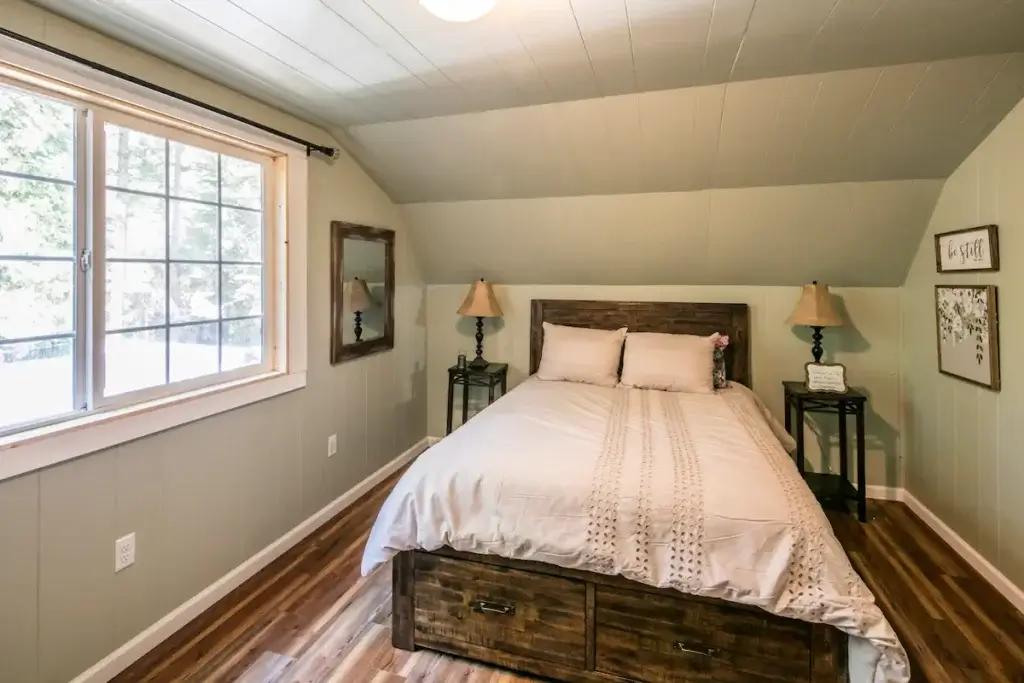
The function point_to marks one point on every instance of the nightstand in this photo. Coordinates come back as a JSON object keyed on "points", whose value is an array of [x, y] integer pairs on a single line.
{"points": [[492, 376], [830, 489]]}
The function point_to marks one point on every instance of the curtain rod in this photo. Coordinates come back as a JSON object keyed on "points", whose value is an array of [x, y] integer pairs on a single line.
{"points": [[310, 146]]}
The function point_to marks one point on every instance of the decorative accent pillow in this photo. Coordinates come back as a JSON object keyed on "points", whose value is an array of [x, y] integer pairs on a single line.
{"points": [[671, 362], [580, 354], [721, 341]]}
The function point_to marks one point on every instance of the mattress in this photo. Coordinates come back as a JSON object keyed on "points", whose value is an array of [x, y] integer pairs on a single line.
{"points": [[688, 491]]}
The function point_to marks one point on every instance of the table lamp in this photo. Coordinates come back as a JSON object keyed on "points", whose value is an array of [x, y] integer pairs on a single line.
{"points": [[480, 303], [815, 310], [358, 300]]}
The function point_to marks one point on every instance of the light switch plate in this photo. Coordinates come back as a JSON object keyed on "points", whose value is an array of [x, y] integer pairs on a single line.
{"points": [[332, 445]]}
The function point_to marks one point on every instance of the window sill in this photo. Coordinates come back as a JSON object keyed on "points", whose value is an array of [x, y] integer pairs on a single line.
{"points": [[26, 452]]}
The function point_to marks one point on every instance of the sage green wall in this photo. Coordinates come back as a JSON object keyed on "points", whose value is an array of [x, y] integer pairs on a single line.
{"points": [[203, 497], [868, 346], [965, 444]]}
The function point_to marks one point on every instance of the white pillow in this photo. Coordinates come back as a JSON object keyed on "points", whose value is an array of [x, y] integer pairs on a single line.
{"points": [[580, 354], [671, 362]]}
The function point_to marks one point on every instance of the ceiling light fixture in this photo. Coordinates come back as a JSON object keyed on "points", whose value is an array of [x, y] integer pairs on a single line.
{"points": [[458, 10]]}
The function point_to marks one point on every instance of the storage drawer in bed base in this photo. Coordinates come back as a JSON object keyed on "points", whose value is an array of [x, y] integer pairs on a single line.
{"points": [[580, 627]]}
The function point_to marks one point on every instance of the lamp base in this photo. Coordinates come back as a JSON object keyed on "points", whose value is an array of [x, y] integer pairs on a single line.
{"points": [[479, 361], [816, 349]]}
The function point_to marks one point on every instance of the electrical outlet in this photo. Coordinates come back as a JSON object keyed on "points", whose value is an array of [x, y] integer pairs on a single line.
{"points": [[332, 445], [124, 552]]}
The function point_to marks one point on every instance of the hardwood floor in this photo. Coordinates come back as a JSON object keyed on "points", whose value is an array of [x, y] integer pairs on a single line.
{"points": [[310, 618], [954, 625]]}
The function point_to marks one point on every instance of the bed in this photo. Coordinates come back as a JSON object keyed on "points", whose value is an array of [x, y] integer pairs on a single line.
{"points": [[591, 534]]}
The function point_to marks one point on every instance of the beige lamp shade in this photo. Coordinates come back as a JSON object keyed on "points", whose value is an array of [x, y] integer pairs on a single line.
{"points": [[480, 302], [357, 295], [815, 308]]}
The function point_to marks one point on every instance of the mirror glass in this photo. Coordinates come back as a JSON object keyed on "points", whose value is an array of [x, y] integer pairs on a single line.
{"points": [[364, 270], [362, 290]]}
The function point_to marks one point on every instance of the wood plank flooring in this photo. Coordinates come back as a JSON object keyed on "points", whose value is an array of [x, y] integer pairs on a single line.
{"points": [[310, 618]]}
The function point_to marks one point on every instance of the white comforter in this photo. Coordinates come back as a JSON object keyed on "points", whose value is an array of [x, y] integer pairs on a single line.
{"points": [[690, 491]]}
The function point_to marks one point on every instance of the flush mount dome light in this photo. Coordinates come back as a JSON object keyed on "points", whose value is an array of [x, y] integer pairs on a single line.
{"points": [[458, 10]]}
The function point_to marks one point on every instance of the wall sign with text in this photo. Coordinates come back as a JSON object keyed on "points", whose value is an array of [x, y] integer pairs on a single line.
{"points": [[972, 249]]}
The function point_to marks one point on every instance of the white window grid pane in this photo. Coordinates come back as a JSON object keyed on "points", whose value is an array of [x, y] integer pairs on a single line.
{"points": [[17, 90], [29, 256], [168, 196], [75, 331], [31, 408]]}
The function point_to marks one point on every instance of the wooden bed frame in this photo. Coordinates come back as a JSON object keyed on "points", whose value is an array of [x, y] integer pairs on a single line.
{"points": [[581, 627]]}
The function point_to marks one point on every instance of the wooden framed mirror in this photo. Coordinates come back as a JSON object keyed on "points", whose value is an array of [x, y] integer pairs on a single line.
{"points": [[362, 290]]}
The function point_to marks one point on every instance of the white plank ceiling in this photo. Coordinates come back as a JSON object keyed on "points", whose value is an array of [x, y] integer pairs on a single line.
{"points": [[879, 123], [570, 98], [367, 61]]}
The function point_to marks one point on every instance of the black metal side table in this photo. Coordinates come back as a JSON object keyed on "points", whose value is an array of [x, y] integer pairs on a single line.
{"points": [[492, 376], [830, 489]]}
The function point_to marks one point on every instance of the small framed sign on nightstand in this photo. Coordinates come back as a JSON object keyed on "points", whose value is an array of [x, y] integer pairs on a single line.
{"points": [[829, 377]]}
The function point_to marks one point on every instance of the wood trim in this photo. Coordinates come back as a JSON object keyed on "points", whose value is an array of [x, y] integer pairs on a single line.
{"points": [[993, 335], [993, 241], [650, 316], [340, 231]]}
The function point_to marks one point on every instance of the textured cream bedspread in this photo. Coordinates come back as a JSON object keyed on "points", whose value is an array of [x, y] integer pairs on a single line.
{"points": [[689, 491]]}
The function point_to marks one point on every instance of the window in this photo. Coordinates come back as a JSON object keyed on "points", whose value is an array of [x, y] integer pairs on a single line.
{"points": [[135, 259], [38, 255], [183, 255]]}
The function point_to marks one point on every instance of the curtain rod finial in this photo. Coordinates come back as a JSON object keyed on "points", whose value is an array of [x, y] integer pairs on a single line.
{"points": [[329, 152]]}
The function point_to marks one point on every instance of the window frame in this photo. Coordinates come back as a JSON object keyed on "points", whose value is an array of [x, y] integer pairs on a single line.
{"points": [[98, 117], [80, 231], [56, 439]]}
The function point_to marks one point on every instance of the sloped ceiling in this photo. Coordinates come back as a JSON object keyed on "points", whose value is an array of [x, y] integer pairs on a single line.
{"points": [[880, 123], [356, 61], [707, 99], [851, 234]]}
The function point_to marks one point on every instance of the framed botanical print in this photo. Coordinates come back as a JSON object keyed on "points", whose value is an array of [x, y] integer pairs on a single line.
{"points": [[969, 250], [968, 333]]}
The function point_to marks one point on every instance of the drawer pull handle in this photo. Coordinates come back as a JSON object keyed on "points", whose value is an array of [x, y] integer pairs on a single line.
{"points": [[696, 649], [488, 607]]}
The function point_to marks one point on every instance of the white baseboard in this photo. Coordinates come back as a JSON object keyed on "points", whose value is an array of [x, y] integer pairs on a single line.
{"points": [[127, 654], [885, 492], [999, 581]]}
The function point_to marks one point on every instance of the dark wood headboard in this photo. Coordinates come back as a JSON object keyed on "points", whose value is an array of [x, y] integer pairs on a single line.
{"points": [[650, 316]]}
